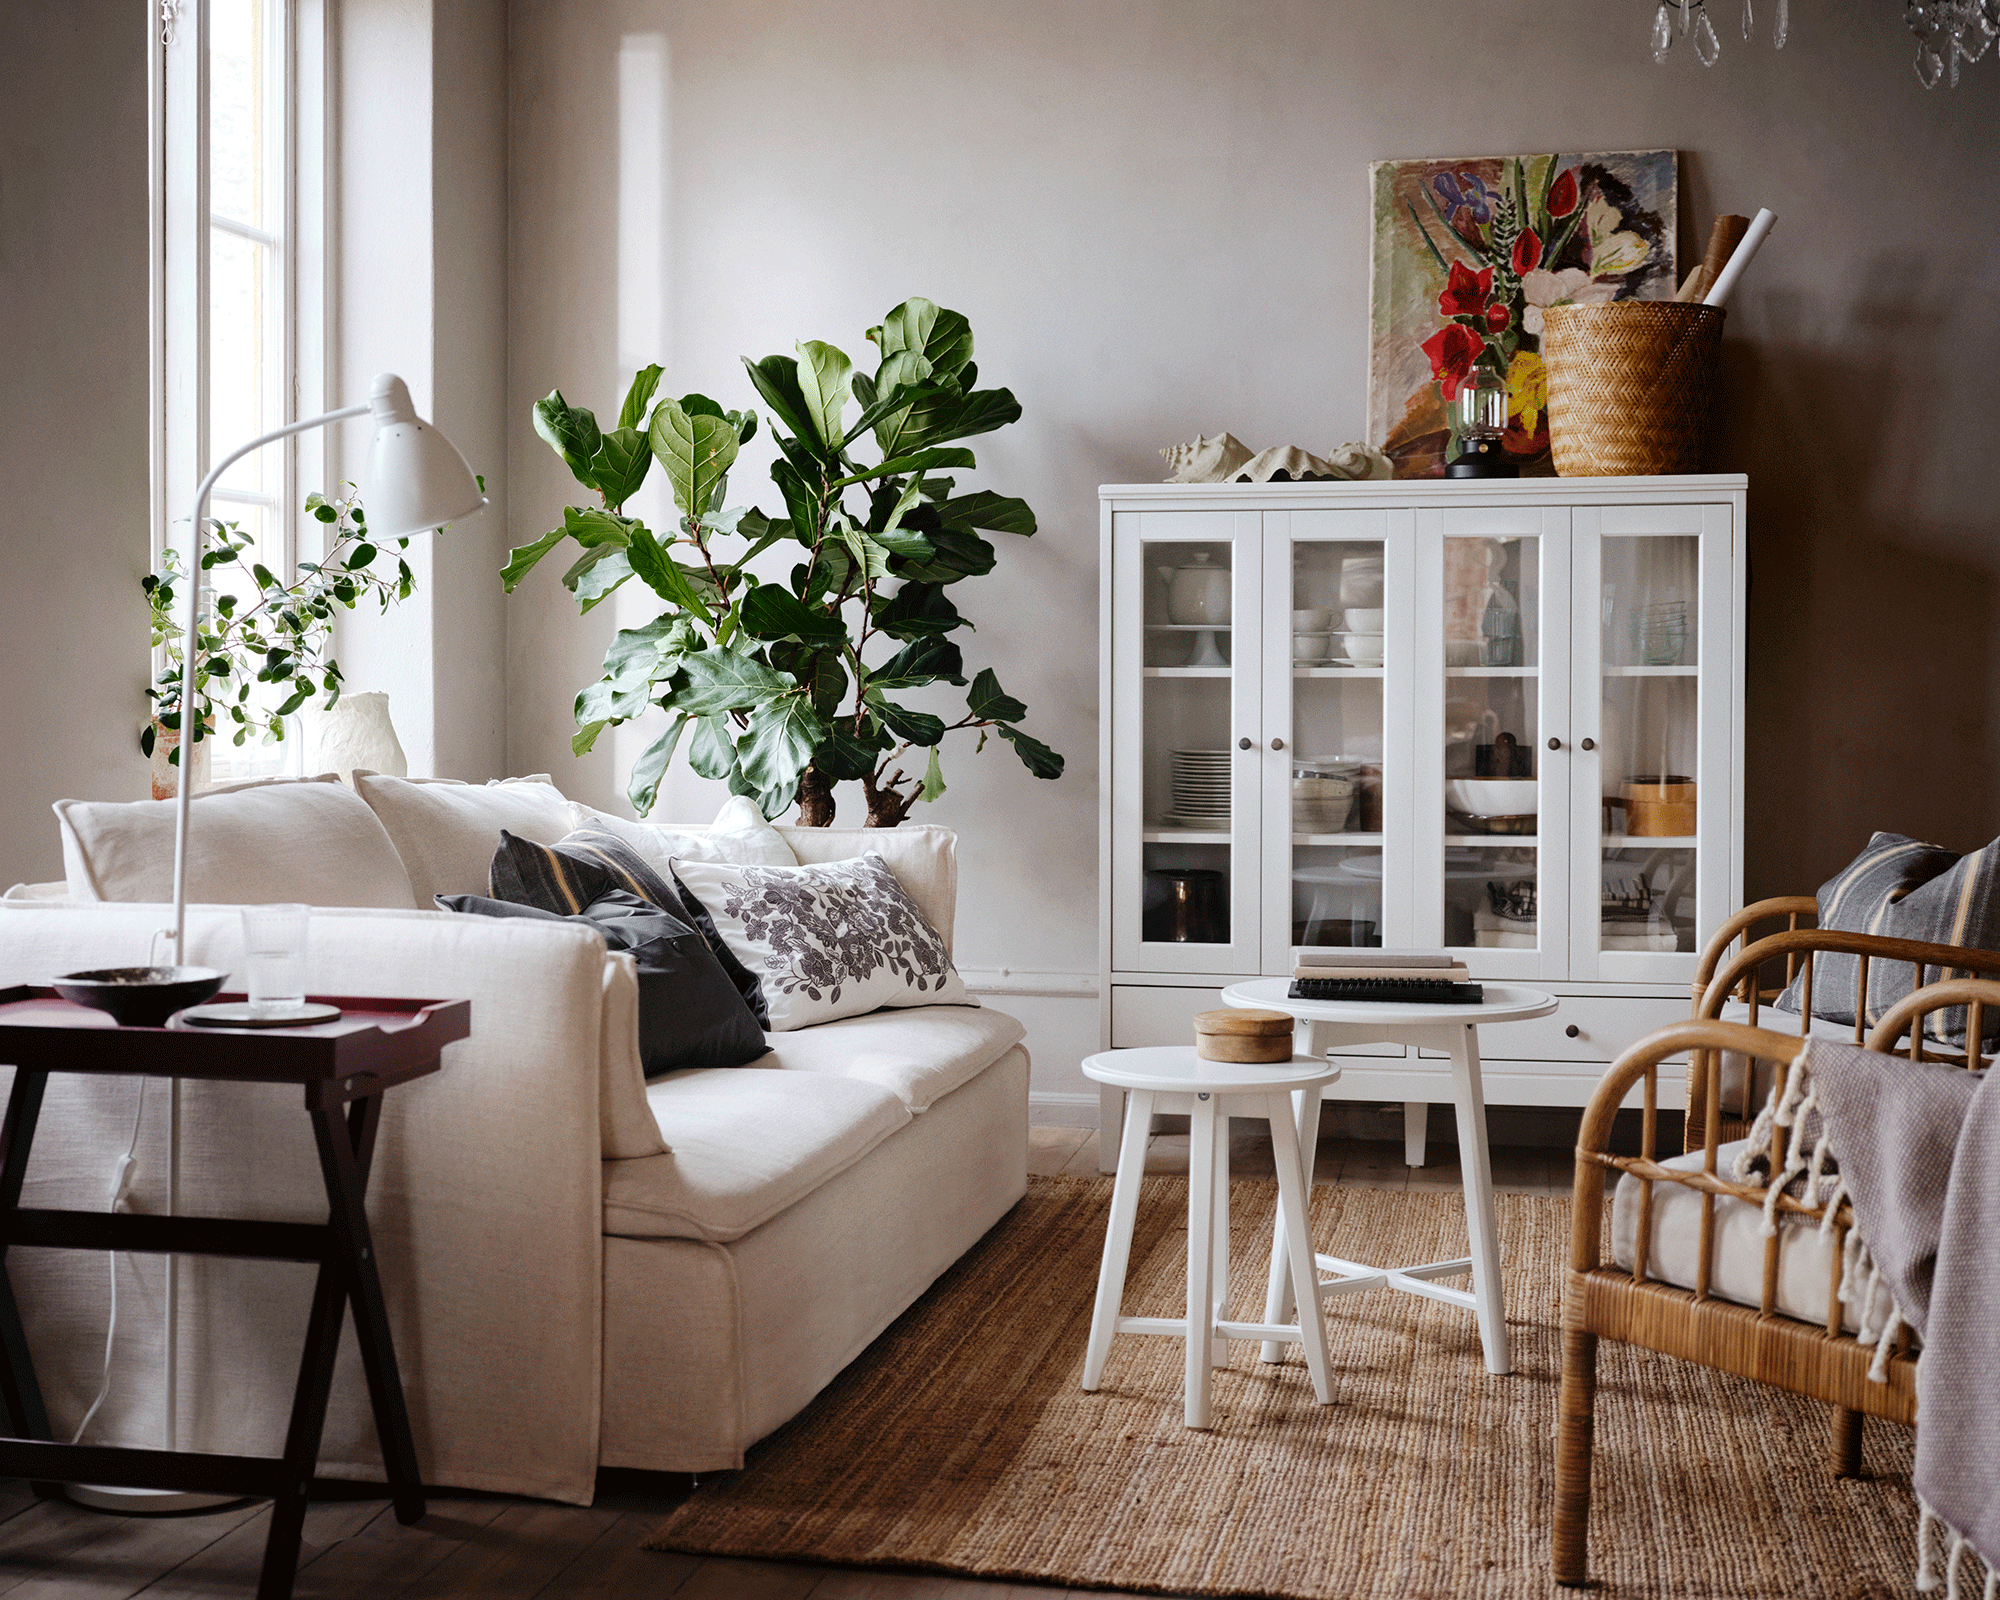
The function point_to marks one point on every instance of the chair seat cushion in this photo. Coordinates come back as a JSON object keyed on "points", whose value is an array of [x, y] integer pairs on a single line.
{"points": [[743, 1146], [919, 1054], [1805, 1258]]}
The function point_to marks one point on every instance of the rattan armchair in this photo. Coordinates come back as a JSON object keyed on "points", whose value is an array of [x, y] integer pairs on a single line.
{"points": [[1603, 1300], [1720, 1106]]}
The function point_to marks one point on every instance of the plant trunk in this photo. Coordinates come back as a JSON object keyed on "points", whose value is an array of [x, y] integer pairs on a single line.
{"points": [[886, 806], [815, 799]]}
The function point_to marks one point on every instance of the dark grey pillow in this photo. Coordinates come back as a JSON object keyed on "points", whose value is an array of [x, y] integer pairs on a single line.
{"points": [[574, 872], [1903, 889], [690, 1014]]}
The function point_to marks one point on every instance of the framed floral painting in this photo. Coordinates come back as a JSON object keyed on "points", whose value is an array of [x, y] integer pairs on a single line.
{"points": [[1467, 256]]}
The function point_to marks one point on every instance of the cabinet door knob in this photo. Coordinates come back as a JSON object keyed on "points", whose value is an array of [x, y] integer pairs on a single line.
{"points": [[1555, 744], [1245, 742], [1571, 1031], [1588, 744], [1277, 744]]}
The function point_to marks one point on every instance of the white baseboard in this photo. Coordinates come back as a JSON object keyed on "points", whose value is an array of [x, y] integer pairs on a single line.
{"points": [[1055, 1108]]}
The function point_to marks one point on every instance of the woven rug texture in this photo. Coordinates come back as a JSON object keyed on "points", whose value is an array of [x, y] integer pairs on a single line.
{"points": [[960, 1441]]}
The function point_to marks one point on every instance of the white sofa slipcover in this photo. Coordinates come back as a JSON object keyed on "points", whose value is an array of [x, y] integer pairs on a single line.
{"points": [[699, 1256]]}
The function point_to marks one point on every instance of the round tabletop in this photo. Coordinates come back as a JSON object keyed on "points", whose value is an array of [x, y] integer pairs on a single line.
{"points": [[1176, 1069], [1504, 1002]]}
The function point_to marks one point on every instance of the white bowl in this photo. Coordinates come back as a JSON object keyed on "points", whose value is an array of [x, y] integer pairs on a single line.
{"points": [[1312, 621], [1363, 649], [1491, 797], [1309, 646], [1365, 619]]}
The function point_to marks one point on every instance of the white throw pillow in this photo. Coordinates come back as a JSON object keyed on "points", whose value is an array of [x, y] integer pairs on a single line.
{"points": [[809, 944], [446, 831], [739, 835], [306, 839]]}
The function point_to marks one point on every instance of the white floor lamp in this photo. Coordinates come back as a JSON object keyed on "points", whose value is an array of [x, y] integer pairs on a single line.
{"points": [[415, 481]]}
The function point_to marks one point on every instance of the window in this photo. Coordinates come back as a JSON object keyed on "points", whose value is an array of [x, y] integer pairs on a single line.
{"points": [[239, 236]]}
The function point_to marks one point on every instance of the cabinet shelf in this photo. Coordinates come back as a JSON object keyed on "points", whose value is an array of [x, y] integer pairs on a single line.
{"points": [[1495, 841], [1189, 672], [1373, 840], [1336, 672], [1622, 841], [1183, 836], [1492, 672], [1652, 672]]}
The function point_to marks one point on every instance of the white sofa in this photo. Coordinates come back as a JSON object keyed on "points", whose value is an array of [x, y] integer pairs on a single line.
{"points": [[581, 1268]]}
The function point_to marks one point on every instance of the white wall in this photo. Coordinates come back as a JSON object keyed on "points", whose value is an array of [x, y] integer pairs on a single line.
{"points": [[1155, 213], [74, 509]]}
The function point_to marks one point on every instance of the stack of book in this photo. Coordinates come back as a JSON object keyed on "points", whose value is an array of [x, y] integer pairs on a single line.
{"points": [[1321, 972]]}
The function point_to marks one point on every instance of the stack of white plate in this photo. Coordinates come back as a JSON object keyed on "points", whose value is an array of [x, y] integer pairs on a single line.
{"points": [[1200, 785]]}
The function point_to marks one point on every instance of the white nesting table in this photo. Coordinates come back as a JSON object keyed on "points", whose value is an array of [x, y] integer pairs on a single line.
{"points": [[1173, 1078], [1324, 1025]]}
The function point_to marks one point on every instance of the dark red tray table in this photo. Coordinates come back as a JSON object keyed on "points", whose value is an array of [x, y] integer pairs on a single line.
{"points": [[343, 1067]]}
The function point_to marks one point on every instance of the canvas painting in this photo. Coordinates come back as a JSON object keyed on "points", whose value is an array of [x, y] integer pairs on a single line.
{"points": [[1469, 253]]}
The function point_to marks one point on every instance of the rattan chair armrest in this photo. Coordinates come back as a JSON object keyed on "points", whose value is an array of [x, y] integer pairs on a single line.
{"points": [[1789, 905]]}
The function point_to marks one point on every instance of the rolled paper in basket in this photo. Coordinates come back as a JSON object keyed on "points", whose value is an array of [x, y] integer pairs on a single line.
{"points": [[1753, 241]]}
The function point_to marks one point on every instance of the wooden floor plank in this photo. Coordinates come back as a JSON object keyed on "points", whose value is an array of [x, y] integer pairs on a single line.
{"points": [[57, 1551], [230, 1566], [720, 1579], [387, 1560], [618, 1565], [516, 1554]]}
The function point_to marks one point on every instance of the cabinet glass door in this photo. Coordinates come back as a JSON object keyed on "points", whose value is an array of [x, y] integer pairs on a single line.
{"points": [[1494, 703], [1186, 627], [1331, 694], [1651, 806]]}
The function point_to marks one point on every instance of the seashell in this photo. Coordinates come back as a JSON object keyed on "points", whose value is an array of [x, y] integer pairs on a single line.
{"points": [[1206, 460], [1283, 463], [1360, 462]]}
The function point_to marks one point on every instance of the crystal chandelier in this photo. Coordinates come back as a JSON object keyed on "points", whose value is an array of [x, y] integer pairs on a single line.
{"points": [[1689, 19], [1948, 32]]}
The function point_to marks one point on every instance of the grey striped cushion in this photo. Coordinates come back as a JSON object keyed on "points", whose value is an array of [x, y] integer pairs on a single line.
{"points": [[1904, 889], [569, 875]]}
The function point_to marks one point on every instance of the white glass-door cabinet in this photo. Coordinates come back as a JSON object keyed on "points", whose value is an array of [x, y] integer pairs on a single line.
{"points": [[1498, 718]]}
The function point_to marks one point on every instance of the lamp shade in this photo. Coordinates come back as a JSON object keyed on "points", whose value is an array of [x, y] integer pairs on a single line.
{"points": [[415, 479]]}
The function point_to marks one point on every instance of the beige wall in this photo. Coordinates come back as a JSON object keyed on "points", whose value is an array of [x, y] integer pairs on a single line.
{"points": [[1156, 216], [74, 501]]}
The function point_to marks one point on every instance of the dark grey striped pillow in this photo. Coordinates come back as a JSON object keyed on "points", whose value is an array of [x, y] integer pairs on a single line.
{"points": [[567, 876], [1904, 889]]}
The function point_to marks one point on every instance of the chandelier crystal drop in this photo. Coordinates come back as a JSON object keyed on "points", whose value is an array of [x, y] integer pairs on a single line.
{"points": [[1948, 32]]}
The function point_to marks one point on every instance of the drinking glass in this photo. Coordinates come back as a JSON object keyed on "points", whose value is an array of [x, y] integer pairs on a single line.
{"points": [[274, 956]]}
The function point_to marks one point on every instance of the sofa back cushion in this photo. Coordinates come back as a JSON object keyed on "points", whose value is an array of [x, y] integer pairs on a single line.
{"points": [[310, 840], [924, 859], [446, 831]]}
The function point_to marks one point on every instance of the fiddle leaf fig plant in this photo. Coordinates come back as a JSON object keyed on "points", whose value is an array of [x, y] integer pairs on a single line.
{"points": [[785, 688], [262, 630]]}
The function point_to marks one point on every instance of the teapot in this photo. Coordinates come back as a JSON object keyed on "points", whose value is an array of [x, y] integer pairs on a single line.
{"points": [[1197, 594]]}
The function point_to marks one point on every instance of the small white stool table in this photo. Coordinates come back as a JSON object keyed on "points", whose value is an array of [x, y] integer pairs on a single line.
{"points": [[1171, 1078], [1323, 1025]]}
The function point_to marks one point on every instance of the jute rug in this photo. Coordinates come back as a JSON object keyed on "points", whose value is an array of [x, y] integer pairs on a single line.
{"points": [[960, 1441]]}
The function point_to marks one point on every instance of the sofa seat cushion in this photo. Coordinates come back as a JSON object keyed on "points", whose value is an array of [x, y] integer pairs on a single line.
{"points": [[1805, 1256], [743, 1146], [919, 1054]]}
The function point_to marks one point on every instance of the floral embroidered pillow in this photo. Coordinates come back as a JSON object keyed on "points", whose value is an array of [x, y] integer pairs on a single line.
{"points": [[808, 944]]}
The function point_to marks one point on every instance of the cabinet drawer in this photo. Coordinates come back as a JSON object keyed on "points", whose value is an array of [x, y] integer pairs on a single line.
{"points": [[1143, 1014], [1607, 1026]]}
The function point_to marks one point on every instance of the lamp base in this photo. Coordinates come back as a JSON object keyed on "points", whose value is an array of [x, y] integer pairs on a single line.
{"points": [[147, 1502], [1482, 458]]}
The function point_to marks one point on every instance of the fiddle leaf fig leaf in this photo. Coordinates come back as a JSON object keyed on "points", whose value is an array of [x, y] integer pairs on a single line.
{"points": [[571, 432], [943, 338], [916, 611], [728, 680], [633, 412], [917, 461], [990, 703], [919, 727], [862, 550], [947, 415], [643, 788], [848, 755], [712, 750], [778, 745], [663, 575], [825, 378], [921, 661], [776, 378], [621, 465], [1037, 757], [997, 513], [696, 451], [771, 611], [603, 571], [522, 559], [933, 786], [955, 554]]}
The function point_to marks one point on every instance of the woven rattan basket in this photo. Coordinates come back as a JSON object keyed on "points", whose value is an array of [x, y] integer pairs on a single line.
{"points": [[1629, 386]]}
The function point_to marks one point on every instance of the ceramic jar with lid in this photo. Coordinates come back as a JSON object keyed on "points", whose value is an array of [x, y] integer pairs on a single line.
{"points": [[1198, 593], [1322, 797]]}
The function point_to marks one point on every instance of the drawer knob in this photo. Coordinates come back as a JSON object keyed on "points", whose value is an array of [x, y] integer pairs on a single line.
{"points": [[1571, 1031], [1590, 744], [1244, 743], [1555, 744]]}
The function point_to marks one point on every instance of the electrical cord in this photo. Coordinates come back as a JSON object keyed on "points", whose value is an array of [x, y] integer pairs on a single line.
{"points": [[121, 1193]]}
